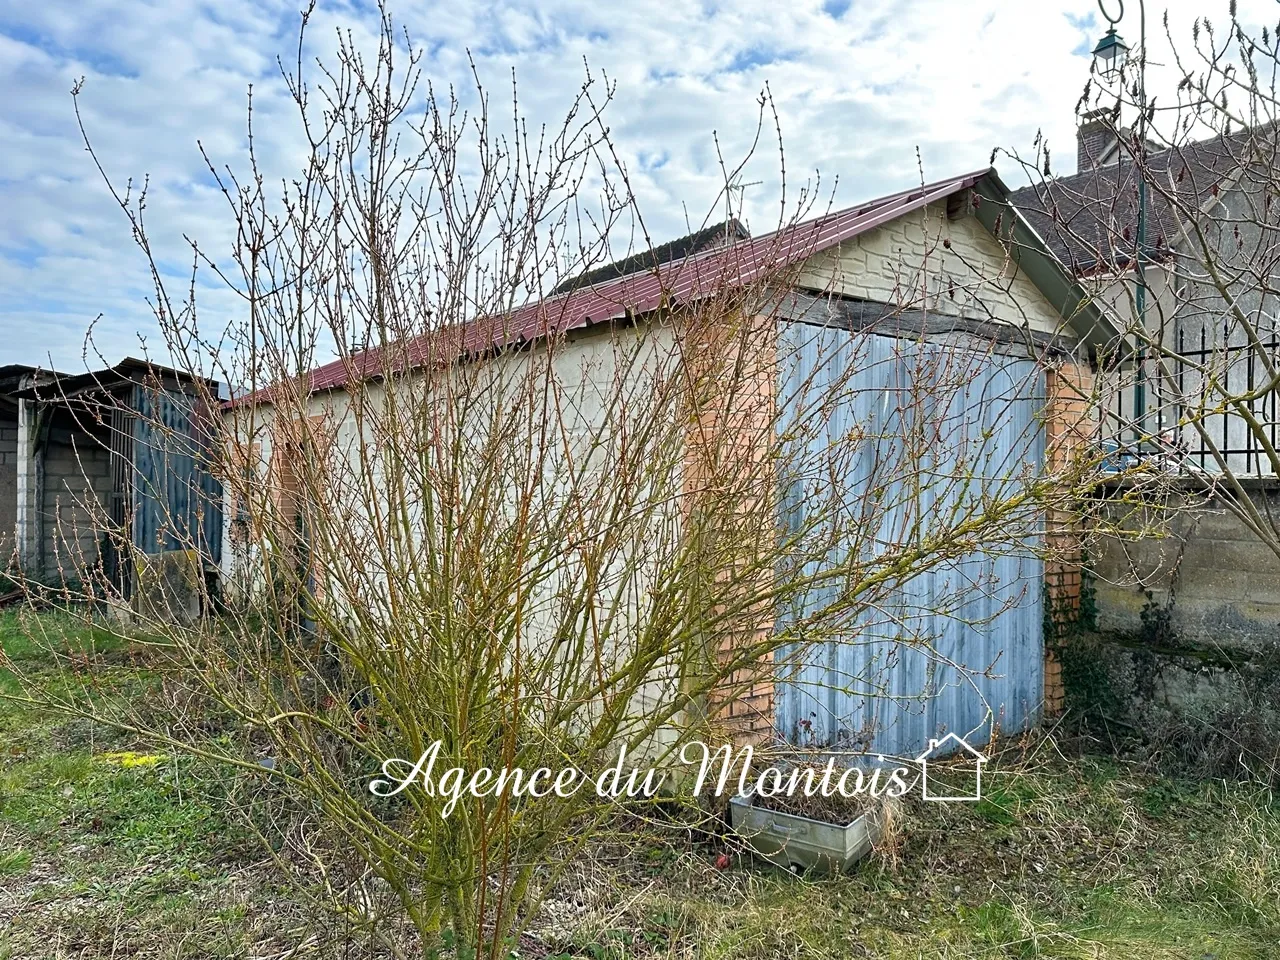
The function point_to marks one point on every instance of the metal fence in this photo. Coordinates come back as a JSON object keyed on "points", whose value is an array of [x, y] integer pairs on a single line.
{"points": [[1181, 424], [1241, 445]]}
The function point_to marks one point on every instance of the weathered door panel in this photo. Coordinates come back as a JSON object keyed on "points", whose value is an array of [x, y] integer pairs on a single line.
{"points": [[958, 648]]}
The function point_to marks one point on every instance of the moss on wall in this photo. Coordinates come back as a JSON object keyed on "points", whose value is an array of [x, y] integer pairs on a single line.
{"points": [[1192, 711]]}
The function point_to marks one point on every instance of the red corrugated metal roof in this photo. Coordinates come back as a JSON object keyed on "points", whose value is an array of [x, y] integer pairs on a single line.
{"points": [[737, 264]]}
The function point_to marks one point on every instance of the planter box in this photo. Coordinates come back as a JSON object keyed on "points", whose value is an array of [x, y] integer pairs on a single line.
{"points": [[797, 843]]}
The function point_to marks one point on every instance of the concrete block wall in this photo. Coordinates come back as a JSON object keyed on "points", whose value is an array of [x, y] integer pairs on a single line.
{"points": [[74, 505], [8, 486], [1217, 582]]}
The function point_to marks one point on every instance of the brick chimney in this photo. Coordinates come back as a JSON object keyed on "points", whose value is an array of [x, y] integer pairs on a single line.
{"points": [[1094, 138]]}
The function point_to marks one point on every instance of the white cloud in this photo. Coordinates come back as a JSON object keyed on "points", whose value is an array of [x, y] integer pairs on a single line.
{"points": [[858, 93]]}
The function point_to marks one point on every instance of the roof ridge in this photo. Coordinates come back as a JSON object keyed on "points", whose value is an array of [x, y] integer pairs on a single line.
{"points": [[679, 248], [644, 290]]}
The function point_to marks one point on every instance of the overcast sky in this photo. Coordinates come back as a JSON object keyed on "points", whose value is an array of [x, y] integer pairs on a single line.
{"points": [[860, 85]]}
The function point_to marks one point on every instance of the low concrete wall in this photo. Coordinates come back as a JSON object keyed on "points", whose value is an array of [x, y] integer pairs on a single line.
{"points": [[1204, 582], [1187, 658], [1197, 714]]}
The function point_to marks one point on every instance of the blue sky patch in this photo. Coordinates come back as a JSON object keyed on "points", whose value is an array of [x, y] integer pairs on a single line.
{"points": [[100, 61], [653, 160], [1087, 24], [753, 57]]}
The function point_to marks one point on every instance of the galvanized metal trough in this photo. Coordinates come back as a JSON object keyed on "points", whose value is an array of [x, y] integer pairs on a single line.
{"points": [[802, 844]]}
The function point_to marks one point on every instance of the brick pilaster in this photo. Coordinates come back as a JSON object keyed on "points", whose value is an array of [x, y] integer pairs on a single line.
{"points": [[1069, 428], [731, 425]]}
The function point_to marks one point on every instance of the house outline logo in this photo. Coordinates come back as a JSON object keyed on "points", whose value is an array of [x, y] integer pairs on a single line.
{"points": [[979, 761]]}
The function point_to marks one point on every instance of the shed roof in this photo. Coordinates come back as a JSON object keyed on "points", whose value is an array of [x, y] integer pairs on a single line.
{"points": [[712, 271], [708, 238], [12, 375], [50, 385]]}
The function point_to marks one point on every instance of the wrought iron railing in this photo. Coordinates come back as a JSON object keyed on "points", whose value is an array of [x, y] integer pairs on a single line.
{"points": [[1162, 431], [1242, 445]]}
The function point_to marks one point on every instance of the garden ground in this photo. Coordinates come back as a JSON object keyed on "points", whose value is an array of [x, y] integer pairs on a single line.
{"points": [[109, 848]]}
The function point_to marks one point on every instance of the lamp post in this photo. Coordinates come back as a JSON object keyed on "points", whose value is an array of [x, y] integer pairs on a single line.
{"points": [[1109, 57]]}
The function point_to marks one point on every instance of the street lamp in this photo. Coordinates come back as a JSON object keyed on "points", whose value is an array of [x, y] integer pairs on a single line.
{"points": [[1111, 52], [1109, 57]]}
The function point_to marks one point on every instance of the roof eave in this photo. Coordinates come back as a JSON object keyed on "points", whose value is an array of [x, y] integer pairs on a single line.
{"points": [[1089, 322], [50, 386]]}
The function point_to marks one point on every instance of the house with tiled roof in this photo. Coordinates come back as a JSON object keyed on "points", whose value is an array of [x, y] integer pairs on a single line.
{"points": [[1089, 219], [1209, 219]]}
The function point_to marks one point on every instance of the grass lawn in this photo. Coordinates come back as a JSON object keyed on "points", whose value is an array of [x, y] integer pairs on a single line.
{"points": [[110, 849]]}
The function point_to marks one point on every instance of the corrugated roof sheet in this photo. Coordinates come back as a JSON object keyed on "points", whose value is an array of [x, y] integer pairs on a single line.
{"points": [[50, 385], [685, 281]]}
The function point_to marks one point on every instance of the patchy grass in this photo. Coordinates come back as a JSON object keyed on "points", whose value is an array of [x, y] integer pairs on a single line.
{"points": [[110, 848], [34, 639], [100, 857], [1062, 859], [14, 863]]}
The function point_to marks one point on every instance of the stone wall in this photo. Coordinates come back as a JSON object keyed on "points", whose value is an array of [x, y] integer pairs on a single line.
{"points": [[1203, 582]]}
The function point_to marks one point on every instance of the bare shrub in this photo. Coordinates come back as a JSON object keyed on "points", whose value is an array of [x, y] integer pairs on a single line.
{"points": [[530, 537]]}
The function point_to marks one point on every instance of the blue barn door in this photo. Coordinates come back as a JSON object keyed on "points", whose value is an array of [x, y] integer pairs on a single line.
{"points": [[958, 648], [176, 498]]}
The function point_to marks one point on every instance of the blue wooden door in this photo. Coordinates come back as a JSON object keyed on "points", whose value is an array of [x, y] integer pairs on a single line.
{"points": [[177, 499], [937, 427]]}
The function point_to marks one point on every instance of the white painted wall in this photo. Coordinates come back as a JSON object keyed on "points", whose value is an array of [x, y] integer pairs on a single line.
{"points": [[590, 395], [925, 261]]}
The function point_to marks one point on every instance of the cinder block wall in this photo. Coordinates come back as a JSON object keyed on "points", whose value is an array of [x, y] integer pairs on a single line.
{"points": [[74, 508], [1216, 581], [8, 484]]}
